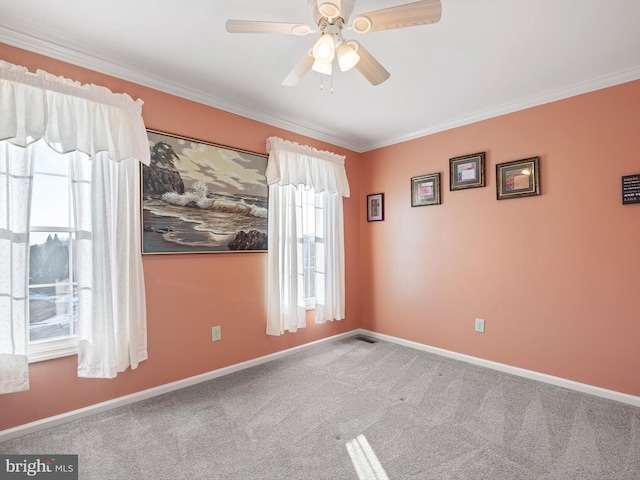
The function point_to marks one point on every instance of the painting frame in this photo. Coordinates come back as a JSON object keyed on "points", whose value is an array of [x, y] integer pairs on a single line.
{"points": [[518, 178], [631, 189], [467, 171], [375, 207], [202, 197], [425, 190]]}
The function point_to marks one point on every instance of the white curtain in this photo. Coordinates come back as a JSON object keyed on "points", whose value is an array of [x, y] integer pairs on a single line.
{"points": [[292, 167], [16, 175], [111, 313], [107, 135]]}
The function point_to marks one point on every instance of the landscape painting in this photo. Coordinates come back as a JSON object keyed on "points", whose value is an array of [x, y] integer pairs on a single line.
{"points": [[201, 197]]}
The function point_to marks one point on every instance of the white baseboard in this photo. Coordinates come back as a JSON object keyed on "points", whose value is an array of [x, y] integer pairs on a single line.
{"points": [[21, 430], [521, 372]]}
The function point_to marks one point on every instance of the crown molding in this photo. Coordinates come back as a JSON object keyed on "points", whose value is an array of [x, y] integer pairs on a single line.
{"points": [[108, 67], [124, 72], [598, 83]]}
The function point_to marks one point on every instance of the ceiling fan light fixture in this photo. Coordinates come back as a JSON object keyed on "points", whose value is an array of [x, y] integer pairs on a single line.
{"points": [[361, 24], [324, 49], [347, 56], [329, 9], [321, 67]]}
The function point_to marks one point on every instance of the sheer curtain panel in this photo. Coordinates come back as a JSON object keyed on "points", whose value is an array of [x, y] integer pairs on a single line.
{"points": [[105, 136], [16, 177], [292, 167]]}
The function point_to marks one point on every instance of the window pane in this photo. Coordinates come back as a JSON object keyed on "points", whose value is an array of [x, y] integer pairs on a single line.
{"points": [[309, 263], [49, 257], [50, 201], [312, 217], [52, 291], [319, 220], [309, 284], [50, 312], [49, 161]]}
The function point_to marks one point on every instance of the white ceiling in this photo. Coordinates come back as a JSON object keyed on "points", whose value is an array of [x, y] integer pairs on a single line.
{"points": [[484, 58]]}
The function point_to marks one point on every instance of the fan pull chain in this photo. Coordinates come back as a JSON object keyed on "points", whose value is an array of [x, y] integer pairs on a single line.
{"points": [[330, 84]]}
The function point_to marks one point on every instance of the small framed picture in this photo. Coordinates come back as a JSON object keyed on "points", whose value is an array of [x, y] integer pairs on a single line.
{"points": [[466, 171], [520, 178], [375, 207], [425, 190], [631, 189]]}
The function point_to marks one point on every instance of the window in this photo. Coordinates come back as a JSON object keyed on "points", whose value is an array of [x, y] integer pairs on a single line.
{"points": [[310, 212], [53, 291], [305, 259], [95, 305]]}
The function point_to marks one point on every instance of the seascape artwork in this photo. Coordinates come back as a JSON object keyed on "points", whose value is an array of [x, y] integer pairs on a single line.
{"points": [[200, 197]]}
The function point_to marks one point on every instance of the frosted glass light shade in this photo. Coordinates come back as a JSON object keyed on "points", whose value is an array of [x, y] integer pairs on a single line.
{"points": [[323, 68], [329, 9], [324, 50], [347, 56]]}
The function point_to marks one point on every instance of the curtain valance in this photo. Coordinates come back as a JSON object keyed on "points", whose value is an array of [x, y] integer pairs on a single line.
{"points": [[70, 116], [293, 164]]}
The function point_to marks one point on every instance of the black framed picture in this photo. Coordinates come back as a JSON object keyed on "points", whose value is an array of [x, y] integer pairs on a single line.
{"points": [[631, 189], [375, 207], [425, 190], [466, 171]]}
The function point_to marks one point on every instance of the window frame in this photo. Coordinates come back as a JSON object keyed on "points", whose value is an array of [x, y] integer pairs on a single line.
{"points": [[309, 207], [55, 348], [310, 300], [61, 346]]}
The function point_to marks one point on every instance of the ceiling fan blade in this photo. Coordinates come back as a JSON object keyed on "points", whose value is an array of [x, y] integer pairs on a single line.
{"points": [[250, 26], [370, 67], [300, 70], [408, 15]]}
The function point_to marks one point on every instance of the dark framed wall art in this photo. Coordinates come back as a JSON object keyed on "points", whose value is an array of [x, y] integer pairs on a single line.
{"points": [[631, 189], [425, 190], [202, 197], [519, 178], [466, 171], [375, 207]]}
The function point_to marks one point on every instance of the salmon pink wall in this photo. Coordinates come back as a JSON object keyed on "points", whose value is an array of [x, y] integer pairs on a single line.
{"points": [[186, 294], [555, 277]]}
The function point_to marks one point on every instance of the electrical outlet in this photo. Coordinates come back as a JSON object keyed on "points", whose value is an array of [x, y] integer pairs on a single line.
{"points": [[479, 325], [216, 334]]}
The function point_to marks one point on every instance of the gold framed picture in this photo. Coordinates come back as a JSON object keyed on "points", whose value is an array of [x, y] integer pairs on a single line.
{"points": [[466, 171], [425, 190], [519, 178]]}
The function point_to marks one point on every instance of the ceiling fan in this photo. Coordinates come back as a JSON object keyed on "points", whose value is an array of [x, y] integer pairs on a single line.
{"points": [[331, 17]]}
